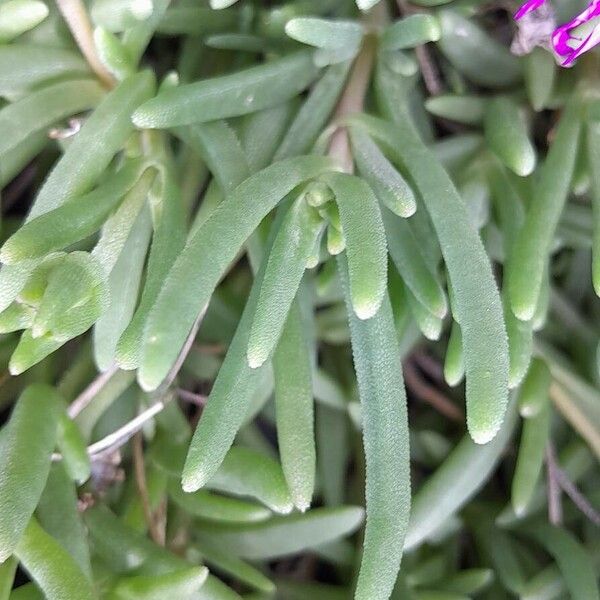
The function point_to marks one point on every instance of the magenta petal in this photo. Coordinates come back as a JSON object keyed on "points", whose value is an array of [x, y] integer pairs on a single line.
{"points": [[528, 7], [568, 45]]}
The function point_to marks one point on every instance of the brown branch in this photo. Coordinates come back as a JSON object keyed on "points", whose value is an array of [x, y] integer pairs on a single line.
{"points": [[420, 388], [196, 399], [352, 101], [89, 393], [140, 480], [76, 16], [580, 501], [555, 512]]}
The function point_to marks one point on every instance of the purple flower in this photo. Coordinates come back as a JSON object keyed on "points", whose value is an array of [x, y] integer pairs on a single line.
{"points": [[575, 37], [528, 7]]}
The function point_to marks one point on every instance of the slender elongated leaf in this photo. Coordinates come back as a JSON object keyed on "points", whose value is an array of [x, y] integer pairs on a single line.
{"points": [[214, 507], [308, 122], [534, 438], [573, 560], [412, 266], [463, 109], [389, 186], [533, 242], [286, 263], [229, 95], [221, 150], [71, 222], [40, 109], [506, 135], [366, 250], [123, 283], [167, 242], [454, 366], [199, 271], [245, 472], [411, 31], [232, 565], [477, 301], [385, 433], [533, 395], [455, 482], [475, 54], [282, 536], [52, 567], [19, 16], [24, 66], [183, 583], [325, 33], [26, 449], [59, 516], [295, 410]]}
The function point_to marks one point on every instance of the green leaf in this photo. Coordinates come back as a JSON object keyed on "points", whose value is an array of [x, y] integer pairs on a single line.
{"points": [[572, 559], [294, 409], [389, 186], [477, 302], [178, 584], [123, 282], [197, 20], [292, 248], [113, 54], [25, 66], [7, 576], [73, 449], [364, 234], [206, 256], [60, 517], [455, 482], [534, 437], [475, 54], [593, 150], [232, 95], [73, 300], [119, 225], [534, 392], [118, 15], [26, 450], [454, 365], [39, 110], [325, 33], [213, 507], [411, 31], [221, 150], [19, 16], [506, 135], [282, 536], [385, 434], [462, 109], [540, 72], [416, 273], [86, 158], [314, 112], [167, 242], [429, 324], [468, 581], [73, 221], [533, 243], [52, 567], [245, 472], [90, 152], [225, 562]]}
